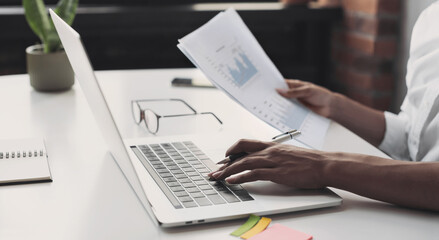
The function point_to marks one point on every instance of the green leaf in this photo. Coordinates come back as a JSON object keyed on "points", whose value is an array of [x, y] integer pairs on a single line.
{"points": [[66, 10], [39, 21], [36, 16]]}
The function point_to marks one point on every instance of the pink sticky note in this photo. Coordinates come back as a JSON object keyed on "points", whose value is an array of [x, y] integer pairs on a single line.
{"points": [[280, 232]]}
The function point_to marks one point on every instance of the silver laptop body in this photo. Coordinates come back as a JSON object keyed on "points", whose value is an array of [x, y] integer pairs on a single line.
{"points": [[175, 203]]}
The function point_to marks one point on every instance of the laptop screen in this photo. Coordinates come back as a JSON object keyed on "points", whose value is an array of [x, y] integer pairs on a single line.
{"points": [[81, 65]]}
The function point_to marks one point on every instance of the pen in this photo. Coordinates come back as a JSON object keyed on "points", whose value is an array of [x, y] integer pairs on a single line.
{"points": [[278, 139]]}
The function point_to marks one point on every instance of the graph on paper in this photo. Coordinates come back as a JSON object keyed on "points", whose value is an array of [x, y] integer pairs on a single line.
{"points": [[234, 65], [243, 70], [230, 56]]}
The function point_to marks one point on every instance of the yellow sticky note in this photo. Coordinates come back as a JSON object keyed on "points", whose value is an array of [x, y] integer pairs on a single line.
{"points": [[259, 227]]}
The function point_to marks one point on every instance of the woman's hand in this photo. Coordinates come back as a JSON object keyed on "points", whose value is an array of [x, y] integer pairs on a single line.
{"points": [[318, 99], [279, 163]]}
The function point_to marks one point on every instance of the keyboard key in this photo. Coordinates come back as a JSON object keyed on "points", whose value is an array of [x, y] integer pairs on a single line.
{"points": [[234, 187], [177, 144], [185, 180], [173, 167], [218, 185], [181, 194], [173, 184], [177, 189], [244, 196], [229, 196], [185, 199], [192, 190], [150, 156], [203, 201], [180, 175], [159, 166], [196, 178], [169, 179], [185, 165], [210, 192], [204, 171], [205, 187], [204, 175], [189, 169], [162, 170], [189, 204], [199, 166], [192, 174], [166, 174], [176, 171], [188, 185], [200, 182], [216, 199], [197, 194], [169, 162]]}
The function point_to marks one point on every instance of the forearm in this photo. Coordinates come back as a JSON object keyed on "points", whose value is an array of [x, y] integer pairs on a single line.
{"points": [[403, 183], [366, 122]]}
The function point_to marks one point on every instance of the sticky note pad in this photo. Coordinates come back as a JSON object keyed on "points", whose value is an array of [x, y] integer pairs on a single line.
{"points": [[280, 232], [252, 220], [259, 227]]}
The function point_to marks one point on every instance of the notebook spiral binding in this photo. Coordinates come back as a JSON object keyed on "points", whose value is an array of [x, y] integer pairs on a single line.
{"points": [[21, 154]]}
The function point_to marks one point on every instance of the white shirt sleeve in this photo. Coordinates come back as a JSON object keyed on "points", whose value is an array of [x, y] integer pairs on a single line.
{"points": [[395, 138]]}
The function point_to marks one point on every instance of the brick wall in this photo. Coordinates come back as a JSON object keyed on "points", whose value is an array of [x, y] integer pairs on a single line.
{"points": [[364, 51]]}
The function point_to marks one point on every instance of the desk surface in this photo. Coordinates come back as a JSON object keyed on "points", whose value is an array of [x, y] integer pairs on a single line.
{"points": [[90, 199]]}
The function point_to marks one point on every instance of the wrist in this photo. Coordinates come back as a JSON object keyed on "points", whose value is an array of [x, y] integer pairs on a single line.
{"points": [[326, 166], [331, 168], [335, 102]]}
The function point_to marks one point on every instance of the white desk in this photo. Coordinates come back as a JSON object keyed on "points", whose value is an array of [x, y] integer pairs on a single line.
{"points": [[90, 199]]}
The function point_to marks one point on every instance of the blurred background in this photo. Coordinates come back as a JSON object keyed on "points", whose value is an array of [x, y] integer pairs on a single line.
{"points": [[356, 47]]}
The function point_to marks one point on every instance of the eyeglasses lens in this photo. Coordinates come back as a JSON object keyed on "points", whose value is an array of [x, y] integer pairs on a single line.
{"points": [[151, 121]]}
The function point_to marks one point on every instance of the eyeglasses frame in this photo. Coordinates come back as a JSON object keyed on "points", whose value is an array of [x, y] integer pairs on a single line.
{"points": [[142, 112]]}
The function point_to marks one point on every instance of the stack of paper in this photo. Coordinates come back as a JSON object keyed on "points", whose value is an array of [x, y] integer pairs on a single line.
{"points": [[228, 54]]}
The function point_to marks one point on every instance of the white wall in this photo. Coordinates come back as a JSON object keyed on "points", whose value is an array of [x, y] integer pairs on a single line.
{"points": [[410, 13]]}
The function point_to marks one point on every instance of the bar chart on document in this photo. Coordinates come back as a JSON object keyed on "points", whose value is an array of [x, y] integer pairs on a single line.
{"points": [[228, 54]]}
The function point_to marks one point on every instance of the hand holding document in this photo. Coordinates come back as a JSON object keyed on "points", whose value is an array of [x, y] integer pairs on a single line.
{"points": [[229, 55]]}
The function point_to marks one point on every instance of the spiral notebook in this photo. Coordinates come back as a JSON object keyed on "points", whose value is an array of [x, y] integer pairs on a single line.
{"points": [[23, 161]]}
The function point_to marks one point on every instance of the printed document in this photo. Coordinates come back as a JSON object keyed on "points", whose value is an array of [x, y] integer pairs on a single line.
{"points": [[229, 55]]}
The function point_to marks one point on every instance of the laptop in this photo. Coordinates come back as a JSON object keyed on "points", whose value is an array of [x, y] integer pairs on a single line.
{"points": [[168, 174]]}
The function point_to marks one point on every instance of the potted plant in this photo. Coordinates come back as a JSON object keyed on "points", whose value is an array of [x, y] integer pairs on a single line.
{"points": [[47, 64]]}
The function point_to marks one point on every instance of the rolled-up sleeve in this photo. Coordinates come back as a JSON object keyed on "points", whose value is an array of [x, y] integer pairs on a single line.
{"points": [[395, 138]]}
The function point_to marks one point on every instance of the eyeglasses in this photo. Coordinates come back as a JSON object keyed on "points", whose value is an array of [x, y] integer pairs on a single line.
{"points": [[151, 119]]}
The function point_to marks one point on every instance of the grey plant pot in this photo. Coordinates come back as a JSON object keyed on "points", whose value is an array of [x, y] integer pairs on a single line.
{"points": [[49, 72]]}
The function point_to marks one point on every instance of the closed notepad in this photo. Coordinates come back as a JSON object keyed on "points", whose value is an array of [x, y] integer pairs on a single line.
{"points": [[23, 161]]}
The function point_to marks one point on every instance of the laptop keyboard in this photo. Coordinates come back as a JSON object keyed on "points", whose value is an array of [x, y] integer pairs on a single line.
{"points": [[179, 171]]}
